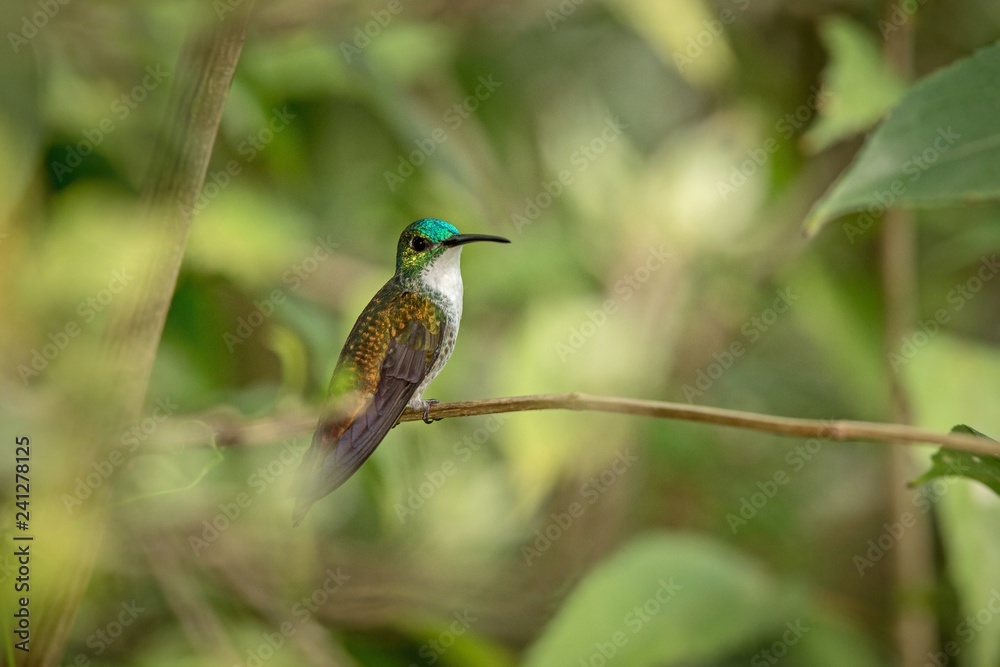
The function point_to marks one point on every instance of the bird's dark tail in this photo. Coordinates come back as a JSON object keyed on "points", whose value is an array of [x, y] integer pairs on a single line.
{"points": [[303, 484], [302, 505]]}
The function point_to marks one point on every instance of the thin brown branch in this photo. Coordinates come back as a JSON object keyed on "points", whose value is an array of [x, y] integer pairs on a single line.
{"points": [[230, 432], [916, 629]]}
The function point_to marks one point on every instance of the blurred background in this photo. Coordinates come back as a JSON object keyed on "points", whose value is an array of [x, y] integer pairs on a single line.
{"points": [[652, 163]]}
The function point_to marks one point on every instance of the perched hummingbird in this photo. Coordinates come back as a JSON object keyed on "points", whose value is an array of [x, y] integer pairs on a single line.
{"points": [[401, 341]]}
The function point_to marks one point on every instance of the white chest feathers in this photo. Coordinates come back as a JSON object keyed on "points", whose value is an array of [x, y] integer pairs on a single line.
{"points": [[443, 278]]}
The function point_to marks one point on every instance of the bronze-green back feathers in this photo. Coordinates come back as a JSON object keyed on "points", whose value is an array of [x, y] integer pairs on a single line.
{"points": [[389, 352]]}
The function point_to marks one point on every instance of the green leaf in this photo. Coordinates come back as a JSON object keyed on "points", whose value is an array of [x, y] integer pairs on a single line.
{"points": [[829, 642], [968, 430], [951, 375], [860, 84], [662, 600], [938, 147], [970, 538], [948, 462]]}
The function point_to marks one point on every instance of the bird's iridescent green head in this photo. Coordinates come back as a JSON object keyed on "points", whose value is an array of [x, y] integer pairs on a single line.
{"points": [[424, 241]]}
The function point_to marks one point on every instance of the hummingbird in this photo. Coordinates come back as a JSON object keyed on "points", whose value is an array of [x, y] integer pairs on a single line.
{"points": [[398, 345]]}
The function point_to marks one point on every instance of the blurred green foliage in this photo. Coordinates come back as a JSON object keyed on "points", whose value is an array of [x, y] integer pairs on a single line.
{"points": [[600, 137]]}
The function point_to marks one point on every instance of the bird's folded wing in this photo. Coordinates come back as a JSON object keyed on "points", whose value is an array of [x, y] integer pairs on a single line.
{"points": [[408, 360], [348, 435]]}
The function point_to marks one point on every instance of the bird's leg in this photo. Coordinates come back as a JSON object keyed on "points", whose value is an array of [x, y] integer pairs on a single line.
{"points": [[427, 409]]}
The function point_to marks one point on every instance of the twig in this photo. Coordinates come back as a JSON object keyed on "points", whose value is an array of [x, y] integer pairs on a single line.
{"points": [[231, 433]]}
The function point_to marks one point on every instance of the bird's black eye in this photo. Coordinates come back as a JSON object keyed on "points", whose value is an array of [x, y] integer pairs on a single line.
{"points": [[419, 244]]}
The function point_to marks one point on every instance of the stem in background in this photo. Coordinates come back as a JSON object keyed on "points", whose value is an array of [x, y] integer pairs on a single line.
{"points": [[913, 558], [170, 191], [135, 322]]}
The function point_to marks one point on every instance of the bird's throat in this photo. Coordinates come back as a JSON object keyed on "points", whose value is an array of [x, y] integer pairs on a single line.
{"points": [[443, 278]]}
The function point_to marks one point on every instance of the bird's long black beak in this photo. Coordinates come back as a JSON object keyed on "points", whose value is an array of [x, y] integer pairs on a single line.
{"points": [[462, 239]]}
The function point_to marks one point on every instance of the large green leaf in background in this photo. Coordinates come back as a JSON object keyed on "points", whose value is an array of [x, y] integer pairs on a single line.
{"points": [[669, 599], [940, 146]]}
